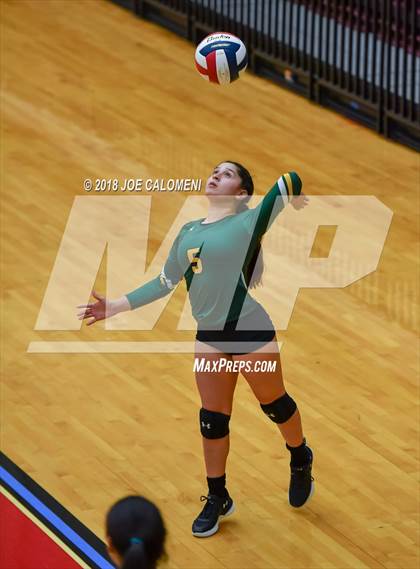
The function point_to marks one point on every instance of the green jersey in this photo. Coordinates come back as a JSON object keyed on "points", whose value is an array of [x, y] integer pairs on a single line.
{"points": [[215, 257]]}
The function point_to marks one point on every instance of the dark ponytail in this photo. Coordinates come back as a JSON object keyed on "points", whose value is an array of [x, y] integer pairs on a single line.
{"points": [[254, 270], [136, 530], [135, 557]]}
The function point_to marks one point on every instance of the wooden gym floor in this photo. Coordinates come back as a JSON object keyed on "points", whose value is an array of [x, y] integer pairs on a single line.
{"points": [[89, 91]]}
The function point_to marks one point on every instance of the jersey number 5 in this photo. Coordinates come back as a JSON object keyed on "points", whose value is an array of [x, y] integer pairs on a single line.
{"points": [[195, 261]]}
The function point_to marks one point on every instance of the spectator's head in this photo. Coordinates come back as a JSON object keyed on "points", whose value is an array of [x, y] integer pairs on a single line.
{"points": [[136, 533]]}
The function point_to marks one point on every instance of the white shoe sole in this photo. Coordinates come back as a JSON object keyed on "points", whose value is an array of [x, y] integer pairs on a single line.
{"points": [[215, 528]]}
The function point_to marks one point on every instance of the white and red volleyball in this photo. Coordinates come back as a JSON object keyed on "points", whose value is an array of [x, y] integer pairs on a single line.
{"points": [[221, 58]]}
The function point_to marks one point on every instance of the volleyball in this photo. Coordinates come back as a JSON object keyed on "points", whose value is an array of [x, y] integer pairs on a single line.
{"points": [[221, 58]]}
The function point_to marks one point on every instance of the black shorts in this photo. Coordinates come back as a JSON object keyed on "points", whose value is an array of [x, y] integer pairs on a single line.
{"points": [[256, 330]]}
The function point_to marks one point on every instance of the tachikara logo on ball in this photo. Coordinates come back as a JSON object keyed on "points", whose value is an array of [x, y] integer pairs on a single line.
{"points": [[221, 58]]}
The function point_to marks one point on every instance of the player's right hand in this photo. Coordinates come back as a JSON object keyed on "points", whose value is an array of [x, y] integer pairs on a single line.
{"points": [[95, 311]]}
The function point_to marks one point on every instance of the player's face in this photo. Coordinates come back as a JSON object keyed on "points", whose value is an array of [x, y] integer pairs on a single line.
{"points": [[224, 181]]}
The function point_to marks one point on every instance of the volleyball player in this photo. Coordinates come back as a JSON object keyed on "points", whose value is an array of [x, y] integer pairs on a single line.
{"points": [[220, 259], [135, 533]]}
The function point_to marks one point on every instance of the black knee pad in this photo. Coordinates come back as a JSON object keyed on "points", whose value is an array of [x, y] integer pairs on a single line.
{"points": [[280, 410], [214, 425]]}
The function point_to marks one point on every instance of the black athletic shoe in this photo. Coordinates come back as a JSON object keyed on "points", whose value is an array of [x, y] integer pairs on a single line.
{"points": [[301, 483], [207, 523]]}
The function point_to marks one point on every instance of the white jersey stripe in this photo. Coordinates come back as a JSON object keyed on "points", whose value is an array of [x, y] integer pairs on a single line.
{"points": [[165, 281], [283, 190]]}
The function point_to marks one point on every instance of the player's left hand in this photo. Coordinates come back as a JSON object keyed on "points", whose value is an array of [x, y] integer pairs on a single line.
{"points": [[299, 202]]}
